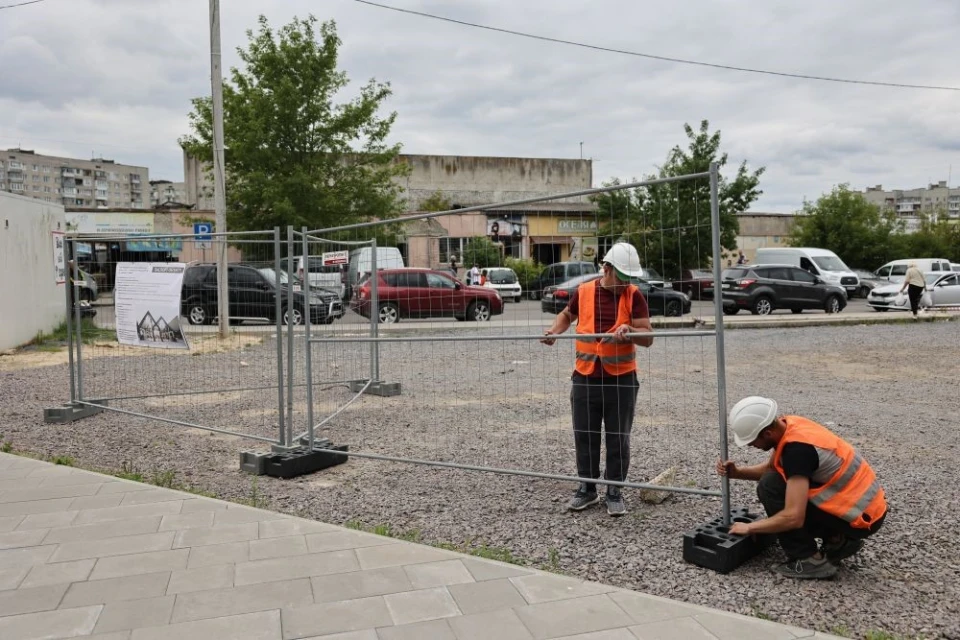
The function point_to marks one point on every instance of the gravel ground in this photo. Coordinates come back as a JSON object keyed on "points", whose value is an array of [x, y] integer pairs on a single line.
{"points": [[891, 390]]}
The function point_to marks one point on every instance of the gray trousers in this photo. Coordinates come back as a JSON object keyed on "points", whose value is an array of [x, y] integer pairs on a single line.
{"points": [[603, 404]]}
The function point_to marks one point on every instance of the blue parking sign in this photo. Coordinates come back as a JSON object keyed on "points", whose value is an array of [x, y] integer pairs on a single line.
{"points": [[202, 231]]}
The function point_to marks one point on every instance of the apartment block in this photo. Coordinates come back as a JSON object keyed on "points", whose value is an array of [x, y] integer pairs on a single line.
{"points": [[934, 200], [90, 184], [164, 193]]}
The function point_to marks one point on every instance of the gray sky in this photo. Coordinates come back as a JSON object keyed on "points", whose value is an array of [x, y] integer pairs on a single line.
{"points": [[115, 77]]}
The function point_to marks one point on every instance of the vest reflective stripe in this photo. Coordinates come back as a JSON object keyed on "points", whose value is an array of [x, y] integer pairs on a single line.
{"points": [[615, 358], [853, 493]]}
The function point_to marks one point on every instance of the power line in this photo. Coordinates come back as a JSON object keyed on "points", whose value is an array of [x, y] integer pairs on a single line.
{"points": [[20, 4], [650, 56]]}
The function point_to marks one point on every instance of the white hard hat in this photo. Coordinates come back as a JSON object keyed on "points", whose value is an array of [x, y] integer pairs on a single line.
{"points": [[623, 257], [749, 417]]}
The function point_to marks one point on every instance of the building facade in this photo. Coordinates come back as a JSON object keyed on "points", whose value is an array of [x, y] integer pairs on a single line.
{"points": [[759, 230], [164, 193], [71, 182], [910, 204]]}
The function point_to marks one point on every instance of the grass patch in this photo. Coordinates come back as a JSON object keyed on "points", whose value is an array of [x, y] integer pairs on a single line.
{"points": [[165, 479], [6, 447], [66, 461], [129, 472], [256, 499], [89, 333]]}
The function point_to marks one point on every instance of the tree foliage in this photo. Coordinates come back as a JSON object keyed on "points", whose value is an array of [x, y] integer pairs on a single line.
{"points": [[669, 224], [436, 202], [293, 155], [482, 252]]}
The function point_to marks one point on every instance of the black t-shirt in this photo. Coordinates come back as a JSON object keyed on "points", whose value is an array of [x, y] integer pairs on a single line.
{"points": [[799, 459]]}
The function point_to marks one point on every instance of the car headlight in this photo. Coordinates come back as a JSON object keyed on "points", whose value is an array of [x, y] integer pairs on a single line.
{"points": [[685, 297]]}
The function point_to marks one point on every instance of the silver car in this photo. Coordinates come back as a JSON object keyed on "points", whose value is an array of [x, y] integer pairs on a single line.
{"points": [[943, 288]]}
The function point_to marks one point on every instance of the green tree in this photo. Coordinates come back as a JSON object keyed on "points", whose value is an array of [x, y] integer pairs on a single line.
{"points": [[481, 252], [436, 202], [293, 156], [669, 224], [937, 237], [844, 222]]}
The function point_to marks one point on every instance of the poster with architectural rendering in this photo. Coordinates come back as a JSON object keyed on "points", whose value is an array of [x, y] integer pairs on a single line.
{"points": [[147, 298]]}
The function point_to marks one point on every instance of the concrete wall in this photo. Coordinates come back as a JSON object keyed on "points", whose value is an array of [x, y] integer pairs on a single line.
{"points": [[31, 299], [759, 230]]}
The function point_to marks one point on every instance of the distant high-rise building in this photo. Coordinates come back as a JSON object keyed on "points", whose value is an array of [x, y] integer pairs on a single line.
{"points": [[95, 184], [164, 193], [909, 204]]}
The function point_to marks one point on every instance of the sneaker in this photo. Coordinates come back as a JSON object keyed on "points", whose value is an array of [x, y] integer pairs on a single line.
{"points": [[582, 499], [616, 507], [842, 549], [811, 568]]}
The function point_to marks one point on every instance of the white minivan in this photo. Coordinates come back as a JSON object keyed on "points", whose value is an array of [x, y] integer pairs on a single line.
{"points": [[361, 261], [820, 262], [895, 270]]}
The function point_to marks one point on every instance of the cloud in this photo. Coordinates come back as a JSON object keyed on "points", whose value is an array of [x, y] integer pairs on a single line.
{"points": [[124, 79]]}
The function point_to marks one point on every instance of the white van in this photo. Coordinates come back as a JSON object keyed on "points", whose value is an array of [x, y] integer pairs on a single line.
{"points": [[360, 261], [956, 266], [321, 275], [820, 262], [895, 270]]}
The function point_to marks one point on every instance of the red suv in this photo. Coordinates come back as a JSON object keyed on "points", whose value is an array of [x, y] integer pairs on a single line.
{"points": [[422, 293]]}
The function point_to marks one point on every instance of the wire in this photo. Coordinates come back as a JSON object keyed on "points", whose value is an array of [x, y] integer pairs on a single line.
{"points": [[20, 4], [651, 56]]}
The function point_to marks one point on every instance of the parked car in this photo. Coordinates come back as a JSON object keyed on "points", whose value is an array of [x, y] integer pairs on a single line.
{"points": [[252, 296], [557, 273], [424, 293], [696, 283], [663, 302], [327, 276], [86, 287], [504, 280], [822, 263], [868, 282], [896, 270], [450, 271], [944, 290], [955, 266], [764, 288]]}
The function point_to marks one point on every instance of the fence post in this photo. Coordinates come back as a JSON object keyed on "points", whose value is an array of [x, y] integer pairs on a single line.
{"points": [[278, 320], [69, 251], [374, 315], [72, 279], [305, 289], [718, 323]]}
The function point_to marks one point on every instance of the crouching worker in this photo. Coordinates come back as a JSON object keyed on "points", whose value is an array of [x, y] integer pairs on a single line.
{"points": [[815, 485]]}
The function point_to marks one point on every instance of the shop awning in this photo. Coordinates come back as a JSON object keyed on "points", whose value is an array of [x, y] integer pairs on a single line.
{"points": [[551, 239]]}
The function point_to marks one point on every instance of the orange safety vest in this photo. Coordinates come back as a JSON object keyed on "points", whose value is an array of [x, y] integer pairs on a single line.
{"points": [[615, 357], [853, 493]]}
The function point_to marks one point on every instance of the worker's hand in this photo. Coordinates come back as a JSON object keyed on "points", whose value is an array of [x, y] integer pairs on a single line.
{"points": [[740, 529], [622, 333], [548, 341], [727, 468]]}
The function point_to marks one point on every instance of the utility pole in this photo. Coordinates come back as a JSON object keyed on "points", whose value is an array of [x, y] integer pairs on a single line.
{"points": [[219, 181]]}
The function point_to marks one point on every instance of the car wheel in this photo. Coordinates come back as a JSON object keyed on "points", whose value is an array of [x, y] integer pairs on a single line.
{"points": [[389, 313], [881, 309], [517, 299], [196, 314], [673, 309], [833, 305], [294, 316], [731, 311], [479, 311], [762, 306], [796, 310]]}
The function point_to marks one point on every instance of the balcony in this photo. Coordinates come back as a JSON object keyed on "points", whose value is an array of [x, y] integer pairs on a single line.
{"points": [[69, 192], [67, 172], [15, 176]]}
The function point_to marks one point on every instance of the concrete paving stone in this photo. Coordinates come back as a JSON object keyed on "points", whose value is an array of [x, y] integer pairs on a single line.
{"points": [[121, 486], [570, 617], [110, 514], [9, 523], [26, 557], [17, 539], [180, 521], [17, 601], [149, 585], [335, 617], [116, 635], [202, 579], [113, 546], [290, 568], [252, 626], [366, 634], [217, 603], [419, 606], [201, 505], [140, 563], [216, 535], [133, 614], [394, 555], [73, 478], [47, 520], [432, 630], [489, 595], [48, 493], [96, 502], [728, 626], [103, 530], [491, 570], [39, 506], [438, 574], [66, 623], [152, 496], [58, 573], [277, 547], [11, 578], [686, 628], [542, 587], [609, 634], [217, 554], [7, 473], [643, 608], [292, 527], [342, 539], [243, 515], [20, 483], [502, 625], [360, 584]]}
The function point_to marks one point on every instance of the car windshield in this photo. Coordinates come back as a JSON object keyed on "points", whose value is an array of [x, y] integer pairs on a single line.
{"points": [[271, 276], [830, 263], [932, 277], [575, 282], [734, 274], [502, 276], [652, 274]]}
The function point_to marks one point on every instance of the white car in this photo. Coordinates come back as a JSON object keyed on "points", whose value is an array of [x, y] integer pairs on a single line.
{"points": [[504, 280], [943, 288]]}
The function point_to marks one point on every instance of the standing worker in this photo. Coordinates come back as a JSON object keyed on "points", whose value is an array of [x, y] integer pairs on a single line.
{"points": [[915, 284], [605, 382], [814, 485]]}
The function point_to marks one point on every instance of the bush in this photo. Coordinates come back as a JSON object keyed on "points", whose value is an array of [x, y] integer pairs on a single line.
{"points": [[483, 253], [526, 270]]}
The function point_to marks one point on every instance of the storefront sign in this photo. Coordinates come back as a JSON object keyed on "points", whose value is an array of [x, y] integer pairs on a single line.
{"points": [[576, 226], [164, 244], [109, 223]]}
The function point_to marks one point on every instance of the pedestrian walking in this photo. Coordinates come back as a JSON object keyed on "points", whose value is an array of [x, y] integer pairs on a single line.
{"points": [[915, 284], [474, 275]]}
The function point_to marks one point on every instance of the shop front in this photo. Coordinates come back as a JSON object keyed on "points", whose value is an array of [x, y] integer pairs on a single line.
{"points": [[557, 239]]}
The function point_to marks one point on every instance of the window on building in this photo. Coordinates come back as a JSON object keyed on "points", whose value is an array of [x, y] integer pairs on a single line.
{"points": [[36, 167], [452, 247]]}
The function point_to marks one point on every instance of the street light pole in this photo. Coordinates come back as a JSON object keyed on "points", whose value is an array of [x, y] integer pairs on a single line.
{"points": [[219, 181]]}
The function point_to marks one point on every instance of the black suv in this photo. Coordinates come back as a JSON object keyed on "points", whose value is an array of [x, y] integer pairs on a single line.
{"points": [[557, 273], [763, 288], [253, 296]]}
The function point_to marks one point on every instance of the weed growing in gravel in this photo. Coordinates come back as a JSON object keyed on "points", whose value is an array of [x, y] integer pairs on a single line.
{"points": [[880, 634], [166, 479], [553, 560], [129, 471], [500, 554], [66, 461], [89, 333], [256, 500], [757, 612], [354, 524], [6, 447], [841, 630]]}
